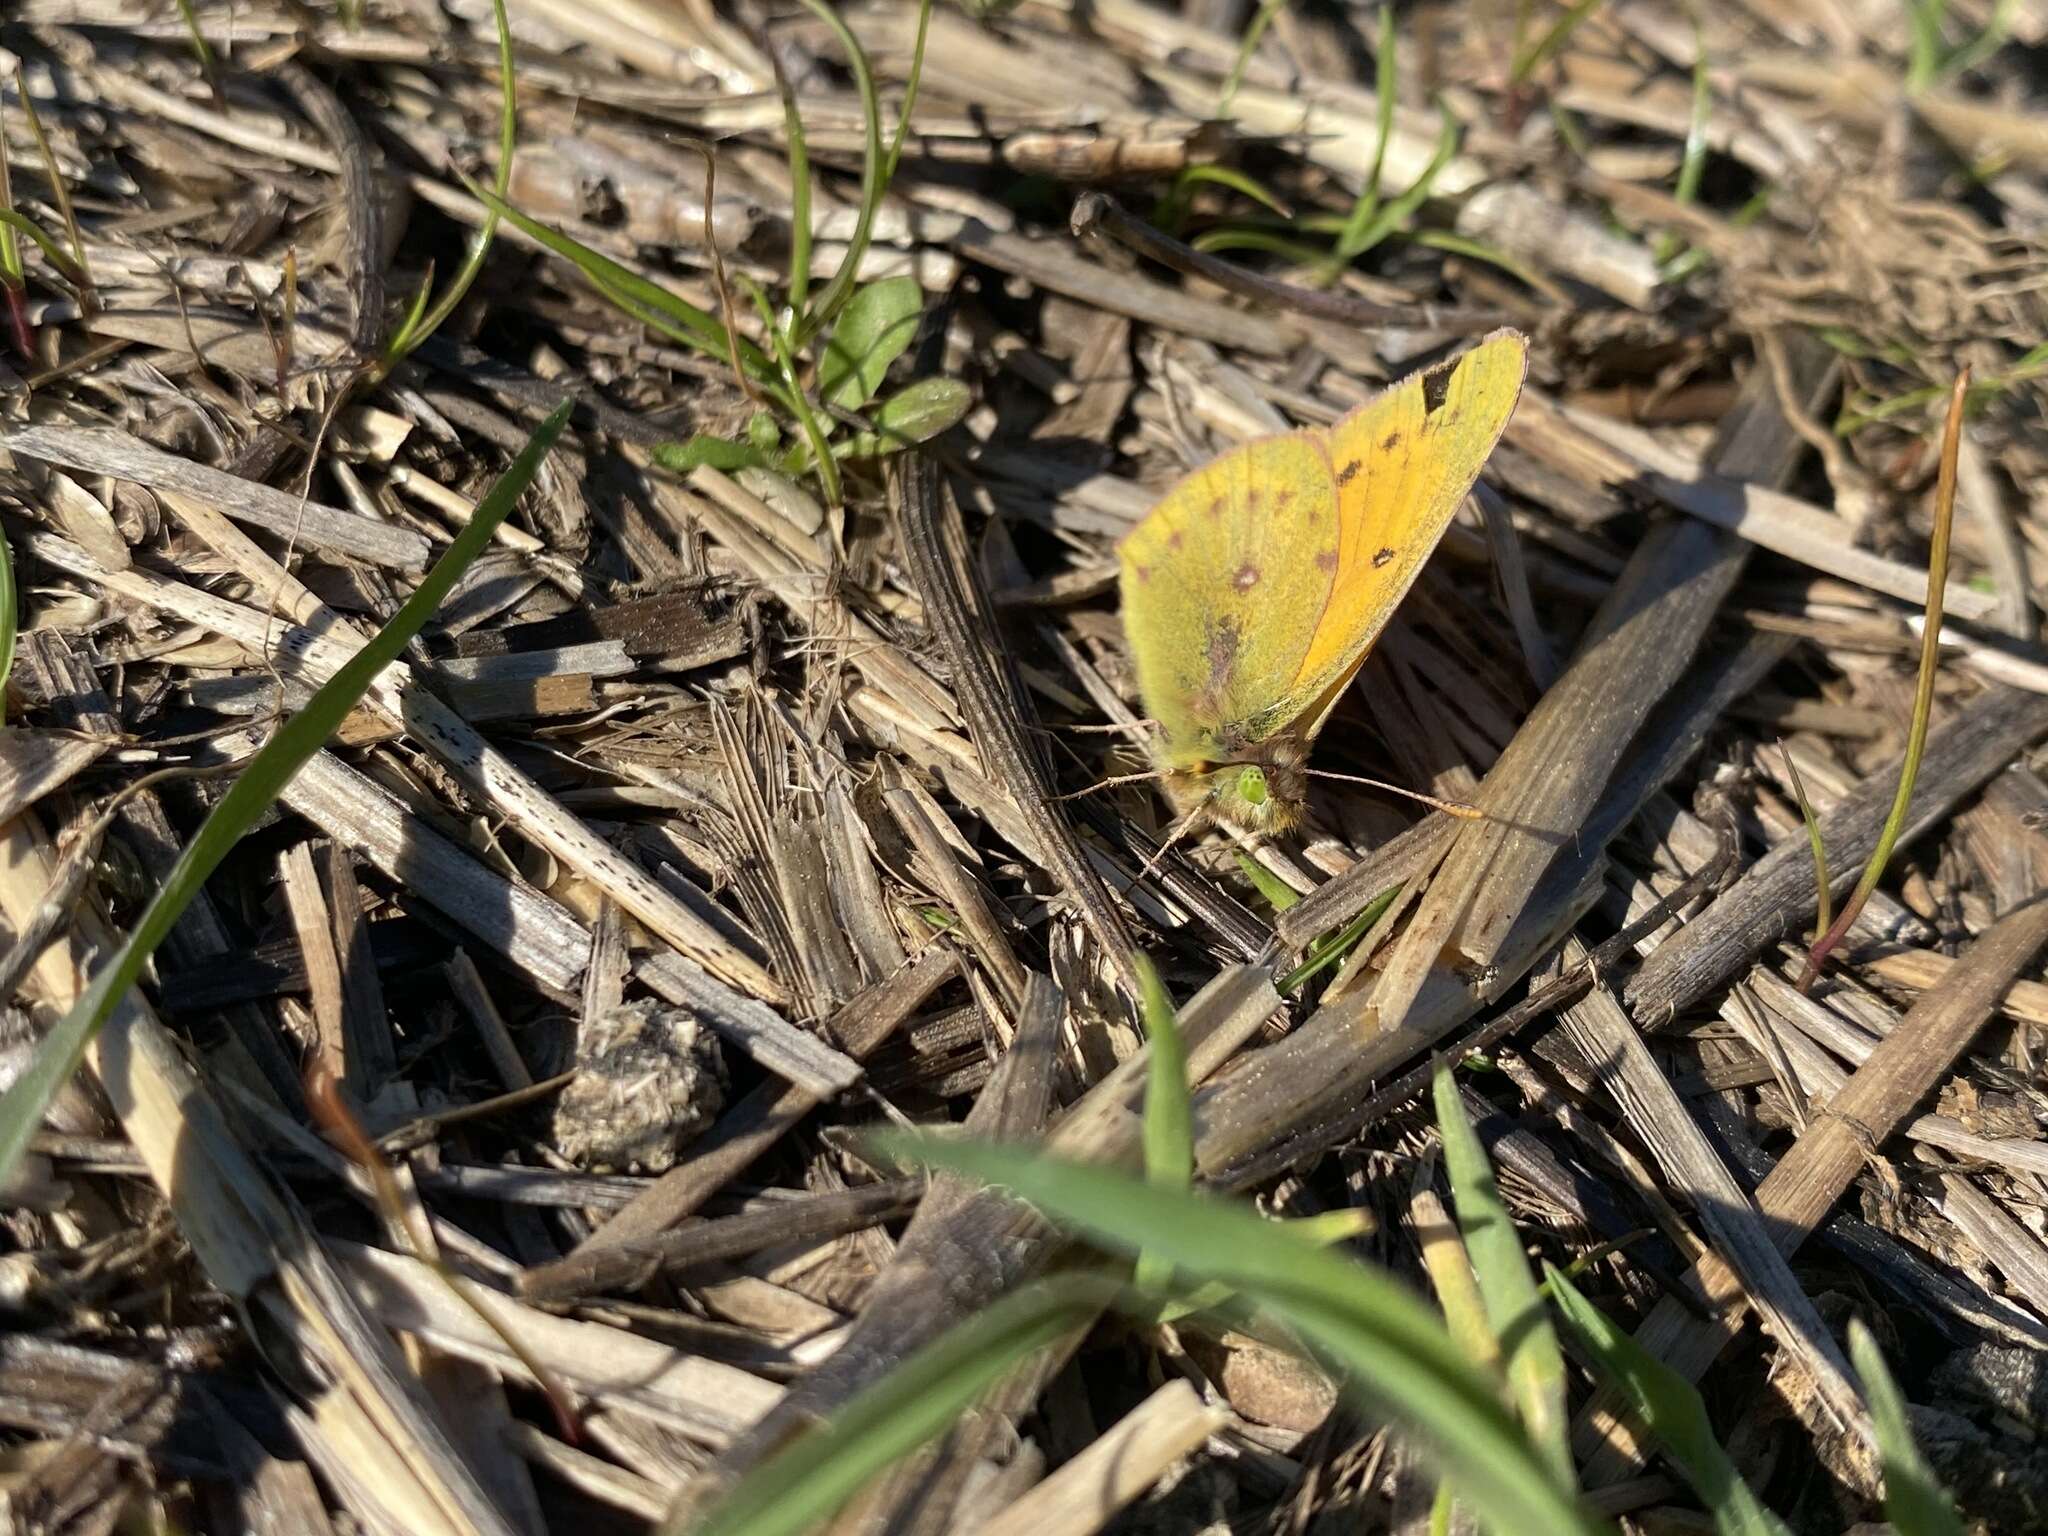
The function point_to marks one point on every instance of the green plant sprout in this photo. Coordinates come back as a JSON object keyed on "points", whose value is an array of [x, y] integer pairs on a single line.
{"points": [[1930, 61], [1527, 60], [1216, 1262], [1824, 914], [820, 377], [1247, 45], [419, 321], [60, 192]]}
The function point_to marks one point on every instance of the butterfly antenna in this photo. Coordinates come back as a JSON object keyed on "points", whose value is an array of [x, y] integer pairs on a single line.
{"points": [[1111, 783], [1456, 808]]}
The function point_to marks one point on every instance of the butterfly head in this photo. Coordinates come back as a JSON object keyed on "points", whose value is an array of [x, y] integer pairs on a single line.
{"points": [[1265, 792]]}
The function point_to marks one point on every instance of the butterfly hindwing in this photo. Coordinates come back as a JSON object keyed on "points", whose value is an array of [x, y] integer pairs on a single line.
{"points": [[1223, 585]]}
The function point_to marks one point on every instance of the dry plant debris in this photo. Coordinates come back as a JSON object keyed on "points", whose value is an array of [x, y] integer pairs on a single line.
{"points": [[729, 804]]}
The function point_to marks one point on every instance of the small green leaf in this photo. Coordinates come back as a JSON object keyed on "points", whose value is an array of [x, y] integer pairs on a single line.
{"points": [[915, 414], [879, 323], [764, 432], [718, 452]]}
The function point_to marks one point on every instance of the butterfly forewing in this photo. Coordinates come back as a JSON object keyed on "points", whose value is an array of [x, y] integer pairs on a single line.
{"points": [[1402, 464], [1252, 592]]}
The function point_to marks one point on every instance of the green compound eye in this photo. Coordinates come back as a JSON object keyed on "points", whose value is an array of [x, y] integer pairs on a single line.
{"points": [[1251, 786]]}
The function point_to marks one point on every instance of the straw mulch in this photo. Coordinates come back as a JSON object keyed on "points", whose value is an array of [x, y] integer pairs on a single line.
{"points": [[709, 821]]}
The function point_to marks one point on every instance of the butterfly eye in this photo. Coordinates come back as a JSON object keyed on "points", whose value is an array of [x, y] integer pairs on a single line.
{"points": [[1251, 786]]}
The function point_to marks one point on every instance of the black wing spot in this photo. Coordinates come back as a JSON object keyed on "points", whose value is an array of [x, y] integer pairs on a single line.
{"points": [[1436, 389], [1382, 558], [1391, 441], [1349, 472]]}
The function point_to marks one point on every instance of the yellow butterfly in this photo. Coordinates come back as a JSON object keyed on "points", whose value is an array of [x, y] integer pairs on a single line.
{"points": [[1253, 591]]}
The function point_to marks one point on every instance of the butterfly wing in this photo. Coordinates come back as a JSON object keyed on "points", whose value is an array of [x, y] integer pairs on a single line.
{"points": [[1223, 586], [1402, 464]]}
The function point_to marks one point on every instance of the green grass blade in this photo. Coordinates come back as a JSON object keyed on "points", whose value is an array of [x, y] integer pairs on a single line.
{"points": [[1246, 47], [60, 192], [1169, 1116], [1325, 1229], [1352, 241], [58, 257], [1514, 1305], [201, 49], [806, 1480], [1229, 176], [12, 272], [1169, 1119], [1923, 57], [417, 328], [647, 302], [840, 288], [1825, 898], [911, 83], [1214, 241], [1914, 1500], [1923, 692], [1378, 1334], [1331, 948], [1278, 893], [1396, 212], [10, 619], [1980, 48], [252, 793], [800, 407], [1551, 42], [1694, 164], [800, 232], [1671, 1408]]}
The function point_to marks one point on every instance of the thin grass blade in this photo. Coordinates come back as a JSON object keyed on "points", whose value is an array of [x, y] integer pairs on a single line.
{"points": [[1379, 1335], [1514, 1305], [802, 1484], [1671, 1408], [1914, 1500]]}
